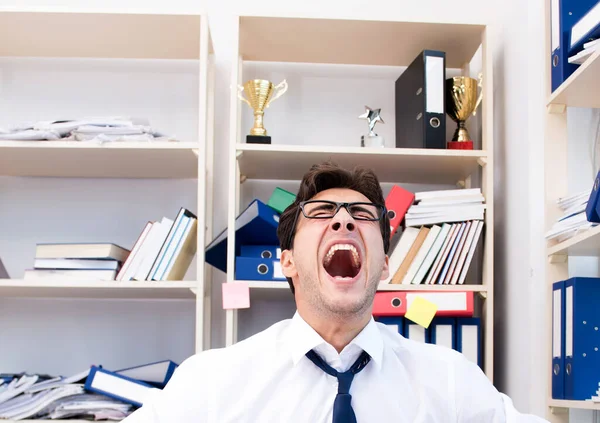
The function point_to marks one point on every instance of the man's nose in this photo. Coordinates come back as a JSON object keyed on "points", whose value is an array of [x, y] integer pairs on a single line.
{"points": [[342, 221]]}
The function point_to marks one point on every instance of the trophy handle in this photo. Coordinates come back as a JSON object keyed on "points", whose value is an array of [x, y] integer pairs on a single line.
{"points": [[480, 94], [280, 89], [240, 96]]}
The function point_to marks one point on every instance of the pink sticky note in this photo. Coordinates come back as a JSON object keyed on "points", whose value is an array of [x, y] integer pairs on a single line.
{"points": [[236, 295]]}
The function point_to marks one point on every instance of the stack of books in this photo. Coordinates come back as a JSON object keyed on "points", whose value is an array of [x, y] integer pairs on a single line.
{"points": [[438, 244], [164, 250], [456, 205], [573, 219], [77, 261], [95, 394]]}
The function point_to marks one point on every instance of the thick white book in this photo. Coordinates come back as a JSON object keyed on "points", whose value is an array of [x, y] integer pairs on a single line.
{"points": [[400, 251], [421, 254]]}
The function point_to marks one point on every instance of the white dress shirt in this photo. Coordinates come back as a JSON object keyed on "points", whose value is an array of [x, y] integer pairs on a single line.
{"points": [[268, 378]]}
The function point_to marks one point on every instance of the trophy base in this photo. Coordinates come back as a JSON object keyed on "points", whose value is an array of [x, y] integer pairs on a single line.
{"points": [[372, 142], [459, 145], [258, 139]]}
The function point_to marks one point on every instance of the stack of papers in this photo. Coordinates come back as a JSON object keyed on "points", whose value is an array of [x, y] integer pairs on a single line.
{"points": [[573, 220], [588, 49], [34, 396], [98, 129]]}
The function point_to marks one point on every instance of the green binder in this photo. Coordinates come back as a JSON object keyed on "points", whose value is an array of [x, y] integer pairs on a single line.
{"points": [[281, 199]]}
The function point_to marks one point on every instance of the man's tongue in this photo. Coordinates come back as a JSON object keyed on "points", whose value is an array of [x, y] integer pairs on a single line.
{"points": [[341, 265]]}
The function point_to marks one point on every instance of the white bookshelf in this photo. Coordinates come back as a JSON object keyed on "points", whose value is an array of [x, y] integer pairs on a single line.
{"points": [[162, 38], [581, 89], [266, 40]]}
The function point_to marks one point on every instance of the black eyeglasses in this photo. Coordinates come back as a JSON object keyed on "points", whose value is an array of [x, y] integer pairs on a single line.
{"points": [[324, 209]]}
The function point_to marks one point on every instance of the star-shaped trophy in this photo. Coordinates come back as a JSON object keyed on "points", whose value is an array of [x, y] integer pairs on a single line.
{"points": [[372, 116]]}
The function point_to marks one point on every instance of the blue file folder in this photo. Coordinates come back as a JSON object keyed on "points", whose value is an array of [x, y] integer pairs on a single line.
{"points": [[117, 386], [586, 29], [258, 269], [415, 332], [442, 331], [256, 225], [264, 251], [468, 338], [582, 338], [569, 12], [397, 322], [558, 340], [156, 373]]}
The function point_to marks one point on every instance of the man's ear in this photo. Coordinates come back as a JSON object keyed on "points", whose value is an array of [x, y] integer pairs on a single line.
{"points": [[287, 264], [385, 273]]}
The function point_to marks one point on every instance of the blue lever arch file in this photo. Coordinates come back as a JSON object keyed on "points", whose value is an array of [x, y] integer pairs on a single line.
{"points": [[264, 251], [256, 225], [468, 338], [582, 338], [558, 340], [395, 322], [258, 269], [565, 13], [442, 331]]}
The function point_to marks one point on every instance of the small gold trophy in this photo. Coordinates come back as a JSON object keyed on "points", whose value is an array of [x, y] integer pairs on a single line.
{"points": [[461, 102], [261, 93]]}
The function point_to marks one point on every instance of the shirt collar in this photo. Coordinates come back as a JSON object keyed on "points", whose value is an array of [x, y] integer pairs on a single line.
{"points": [[303, 338]]}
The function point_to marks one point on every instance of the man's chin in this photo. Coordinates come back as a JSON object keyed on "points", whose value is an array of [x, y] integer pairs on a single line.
{"points": [[347, 303]]}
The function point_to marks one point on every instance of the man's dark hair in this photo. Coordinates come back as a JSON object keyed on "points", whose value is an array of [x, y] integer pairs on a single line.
{"points": [[326, 176]]}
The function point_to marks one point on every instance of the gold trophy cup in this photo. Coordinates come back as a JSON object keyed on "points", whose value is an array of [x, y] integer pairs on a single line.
{"points": [[260, 94], [461, 102]]}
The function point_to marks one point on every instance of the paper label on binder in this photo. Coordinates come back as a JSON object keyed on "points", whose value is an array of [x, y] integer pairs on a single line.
{"points": [[434, 75], [421, 311]]}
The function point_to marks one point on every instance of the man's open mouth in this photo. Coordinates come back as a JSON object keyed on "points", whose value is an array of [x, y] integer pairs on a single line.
{"points": [[342, 261]]}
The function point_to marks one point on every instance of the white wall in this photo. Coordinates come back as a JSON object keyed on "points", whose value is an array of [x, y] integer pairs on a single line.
{"points": [[517, 100]]}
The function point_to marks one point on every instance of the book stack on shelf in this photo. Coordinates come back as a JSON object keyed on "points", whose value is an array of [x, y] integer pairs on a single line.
{"points": [[573, 220], [438, 244], [163, 251], [76, 261], [96, 393]]}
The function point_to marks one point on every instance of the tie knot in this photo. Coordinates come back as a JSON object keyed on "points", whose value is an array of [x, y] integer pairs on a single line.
{"points": [[344, 382]]}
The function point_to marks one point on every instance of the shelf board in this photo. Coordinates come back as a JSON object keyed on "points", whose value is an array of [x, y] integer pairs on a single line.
{"points": [[359, 42], [98, 289], [278, 290], [94, 160], [290, 162], [585, 244], [582, 88], [585, 405], [51, 34], [46, 421]]}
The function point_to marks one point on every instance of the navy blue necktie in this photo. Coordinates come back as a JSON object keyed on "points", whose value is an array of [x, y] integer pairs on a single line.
{"points": [[342, 407]]}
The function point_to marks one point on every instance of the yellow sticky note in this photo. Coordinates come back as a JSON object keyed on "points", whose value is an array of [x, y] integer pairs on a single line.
{"points": [[421, 311]]}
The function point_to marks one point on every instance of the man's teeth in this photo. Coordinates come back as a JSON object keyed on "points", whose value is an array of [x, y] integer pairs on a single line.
{"points": [[349, 247]]}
